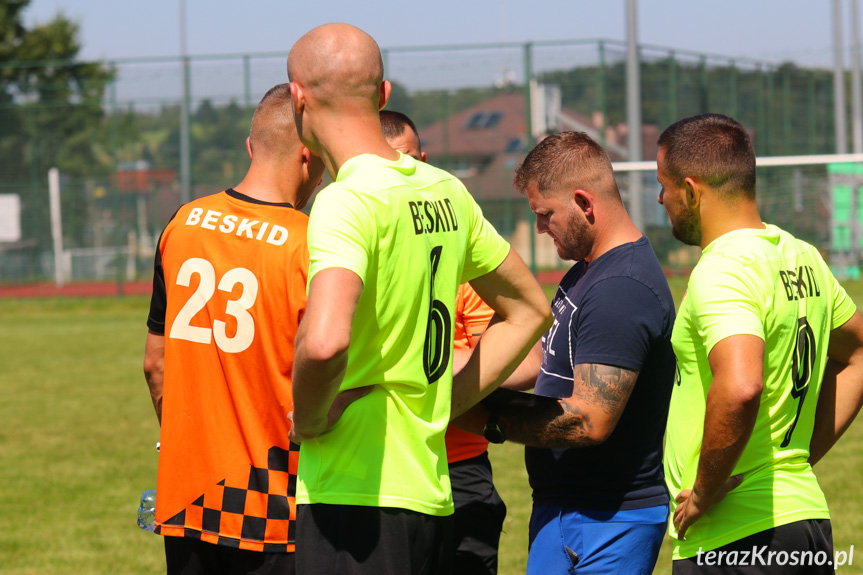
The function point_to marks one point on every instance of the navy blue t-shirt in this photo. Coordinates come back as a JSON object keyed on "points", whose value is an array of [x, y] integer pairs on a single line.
{"points": [[616, 310]]}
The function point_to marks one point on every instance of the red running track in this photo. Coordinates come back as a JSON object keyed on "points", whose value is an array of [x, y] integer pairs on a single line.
{"points": [[75, 289]]}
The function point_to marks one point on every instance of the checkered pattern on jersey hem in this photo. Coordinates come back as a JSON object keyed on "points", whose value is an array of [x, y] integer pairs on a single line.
{"points": [[257, 512]]}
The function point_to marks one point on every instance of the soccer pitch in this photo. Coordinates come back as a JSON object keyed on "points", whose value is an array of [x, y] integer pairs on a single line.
{"points": [[77, 438]]}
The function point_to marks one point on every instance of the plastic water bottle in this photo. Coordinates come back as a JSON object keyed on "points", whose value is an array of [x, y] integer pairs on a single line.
{"points": [[147, 507], [147, 510]]}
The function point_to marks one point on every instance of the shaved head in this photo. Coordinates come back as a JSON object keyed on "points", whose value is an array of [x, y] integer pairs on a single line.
{"points": [[337, 63], [273, 134]]}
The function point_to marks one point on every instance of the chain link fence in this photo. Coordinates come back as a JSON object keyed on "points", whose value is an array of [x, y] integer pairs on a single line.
{"points": [[155, 132]]}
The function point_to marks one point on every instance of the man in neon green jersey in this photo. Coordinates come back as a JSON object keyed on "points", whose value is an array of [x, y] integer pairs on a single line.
{"points": [[389, 242], [761, 318]]}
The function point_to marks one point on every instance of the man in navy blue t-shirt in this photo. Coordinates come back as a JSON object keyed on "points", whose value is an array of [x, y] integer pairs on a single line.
{"points": [[594, 453]]}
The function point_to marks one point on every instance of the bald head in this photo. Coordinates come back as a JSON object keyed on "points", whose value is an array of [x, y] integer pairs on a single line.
{"points": [[273, 135], [336, 63]]}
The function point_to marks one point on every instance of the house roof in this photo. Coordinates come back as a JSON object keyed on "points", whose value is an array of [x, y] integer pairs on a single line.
{"points": [[485, 142], [497, 126], [485, 129]]}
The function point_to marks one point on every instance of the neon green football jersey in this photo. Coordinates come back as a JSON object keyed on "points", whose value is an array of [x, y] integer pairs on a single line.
{"points": [[412, 233], [766, 283]]}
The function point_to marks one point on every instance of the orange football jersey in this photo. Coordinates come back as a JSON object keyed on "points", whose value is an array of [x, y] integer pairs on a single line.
{"points": [[471, 320], [229, 293]]}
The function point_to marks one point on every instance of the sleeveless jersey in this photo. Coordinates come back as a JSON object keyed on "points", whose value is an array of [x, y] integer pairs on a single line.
{"points": [[229, 292]]}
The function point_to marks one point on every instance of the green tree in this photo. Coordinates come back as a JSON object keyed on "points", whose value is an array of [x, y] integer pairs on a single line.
{"points": [[52, 116], [219, 157]]}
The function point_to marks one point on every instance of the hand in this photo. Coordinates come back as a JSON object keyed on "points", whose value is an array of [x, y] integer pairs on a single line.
{"points": [[691, 506], [340, 403], [472, 420]]}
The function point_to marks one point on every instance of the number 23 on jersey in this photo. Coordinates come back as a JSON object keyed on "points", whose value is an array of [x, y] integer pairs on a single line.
{"points": [[182, 327]]}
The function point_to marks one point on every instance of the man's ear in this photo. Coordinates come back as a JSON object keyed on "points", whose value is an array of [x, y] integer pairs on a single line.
{"points": [[584, 200], [385, 91], [298, 99], [423, 157], [249, 146], [693, 191], [306, 162]]}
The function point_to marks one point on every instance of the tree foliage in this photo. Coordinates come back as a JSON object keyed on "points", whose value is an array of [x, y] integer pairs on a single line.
{"points": [[54, 103], [788, 108], [50, 110]]}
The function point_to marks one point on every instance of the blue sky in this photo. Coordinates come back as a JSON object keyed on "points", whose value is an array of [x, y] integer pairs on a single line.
{"points": [[773, 30]]}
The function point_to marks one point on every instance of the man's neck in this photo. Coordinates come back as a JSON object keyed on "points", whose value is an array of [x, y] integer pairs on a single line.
{"points": [[268, 185], [351, 138], [725, 218], [614, 231]]}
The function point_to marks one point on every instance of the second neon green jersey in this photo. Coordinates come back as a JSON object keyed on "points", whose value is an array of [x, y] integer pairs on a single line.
{"points": [[412, 233], [766, 283]]}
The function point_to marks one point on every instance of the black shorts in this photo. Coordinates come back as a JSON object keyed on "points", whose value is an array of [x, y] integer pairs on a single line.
{"points": [[186, 556], [802, 547], [479, 516], [354, 539]]}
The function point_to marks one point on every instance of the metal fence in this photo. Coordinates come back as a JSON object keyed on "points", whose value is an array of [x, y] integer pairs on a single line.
{"points": [[161, 130]]}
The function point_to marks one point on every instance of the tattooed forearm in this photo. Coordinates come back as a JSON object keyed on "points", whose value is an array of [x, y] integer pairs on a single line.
{"points": [[600, 393], [604, 386], [570, 428], [539, 421]]}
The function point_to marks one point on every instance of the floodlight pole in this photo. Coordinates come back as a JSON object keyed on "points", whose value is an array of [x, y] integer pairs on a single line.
{"points": [[839, 81], [856, 102], [529, 140], [185, 188], [633, 114]]}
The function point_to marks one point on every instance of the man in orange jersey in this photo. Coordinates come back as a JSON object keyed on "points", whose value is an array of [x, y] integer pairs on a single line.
{"points": [[229, 290], [479, 510]]}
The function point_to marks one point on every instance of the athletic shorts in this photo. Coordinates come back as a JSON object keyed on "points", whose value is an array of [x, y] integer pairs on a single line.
{"points": [[354, 539], [479, 515], [567, 540], [803, 547], [186, 556]]}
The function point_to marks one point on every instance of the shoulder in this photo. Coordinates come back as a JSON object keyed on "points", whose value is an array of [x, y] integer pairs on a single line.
{"points": [[630, 270], [203, 203], [626, 299], [336, 199], [195, 211], [616, 293], [727, 289], [721, 269]]}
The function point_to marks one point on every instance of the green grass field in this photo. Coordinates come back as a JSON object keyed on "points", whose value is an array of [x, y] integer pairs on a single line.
{"points": [[77, 437]]}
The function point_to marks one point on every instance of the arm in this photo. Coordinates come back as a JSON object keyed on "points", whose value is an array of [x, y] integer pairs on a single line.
{"points": [[472, 318], [608, 341], [154, 368], [460, 357], [842, 389], [737, 364], [322, 349], [588, 417], [522, 379], [524, 376], [514, 294]]}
